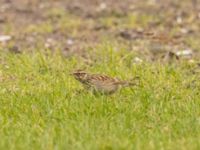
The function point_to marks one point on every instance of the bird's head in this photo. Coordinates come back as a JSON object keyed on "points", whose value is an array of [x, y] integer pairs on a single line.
{"points": [[79, 74]]}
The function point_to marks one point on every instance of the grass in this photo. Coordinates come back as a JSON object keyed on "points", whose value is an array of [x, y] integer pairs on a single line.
{"points": [[43, 107]]}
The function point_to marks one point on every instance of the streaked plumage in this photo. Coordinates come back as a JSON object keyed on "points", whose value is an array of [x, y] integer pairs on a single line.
{"points": [[100, 83]]}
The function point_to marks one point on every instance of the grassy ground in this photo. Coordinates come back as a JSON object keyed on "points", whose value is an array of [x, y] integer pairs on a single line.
{"points": [[43, 107]]}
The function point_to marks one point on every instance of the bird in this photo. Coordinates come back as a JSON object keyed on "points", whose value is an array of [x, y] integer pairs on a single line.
{"points": [[99, 82]]}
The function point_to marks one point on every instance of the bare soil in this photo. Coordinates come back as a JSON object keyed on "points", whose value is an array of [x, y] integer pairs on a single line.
{"points": [[74, 26]]}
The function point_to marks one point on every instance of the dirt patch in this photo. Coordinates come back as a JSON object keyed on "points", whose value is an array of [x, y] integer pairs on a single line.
{"points": [[74, 26]]}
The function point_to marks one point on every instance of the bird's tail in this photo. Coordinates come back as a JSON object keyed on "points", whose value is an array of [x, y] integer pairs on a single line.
{"points": [[129, 83]]}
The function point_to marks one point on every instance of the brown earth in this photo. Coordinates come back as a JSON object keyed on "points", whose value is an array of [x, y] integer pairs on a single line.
{"points": [[75, 26]]}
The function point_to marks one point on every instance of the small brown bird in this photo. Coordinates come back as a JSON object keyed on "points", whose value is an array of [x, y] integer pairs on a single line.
{"points": [[100, 83]]}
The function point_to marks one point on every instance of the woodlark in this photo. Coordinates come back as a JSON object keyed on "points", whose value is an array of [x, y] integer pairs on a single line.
{"points": [[100, 83]]}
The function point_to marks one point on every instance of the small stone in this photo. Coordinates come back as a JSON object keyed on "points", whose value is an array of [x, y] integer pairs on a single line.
{"points": [[102, 7], [70, 42], [186, 52], [137, 60], [179, 20], [5, 38]]}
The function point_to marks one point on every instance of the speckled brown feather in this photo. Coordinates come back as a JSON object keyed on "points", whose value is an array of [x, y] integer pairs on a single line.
{"points": [[99, 82]]}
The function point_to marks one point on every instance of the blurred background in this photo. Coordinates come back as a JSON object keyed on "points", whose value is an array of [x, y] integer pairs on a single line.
{"points": [[150, 28]]}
